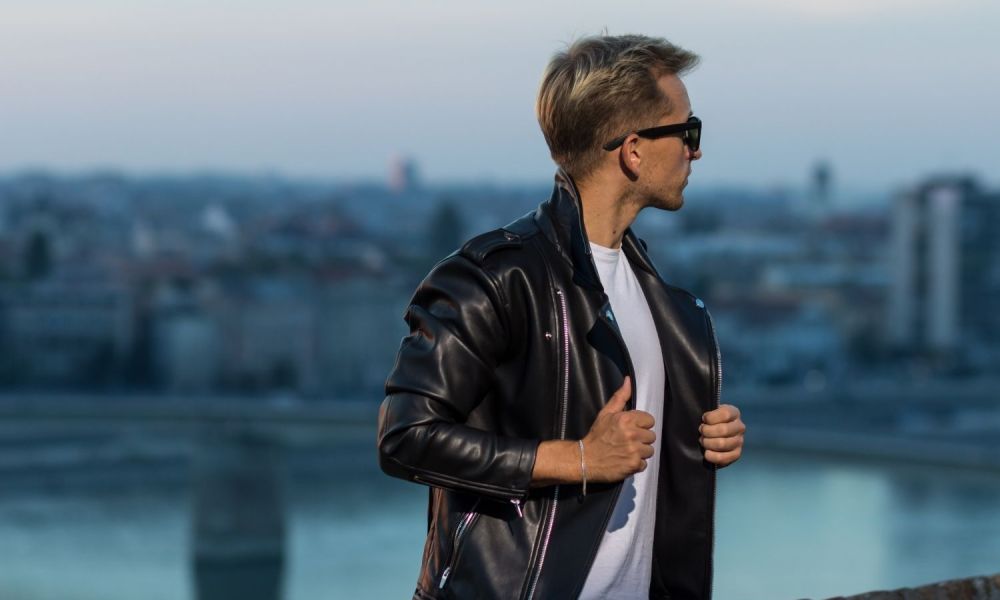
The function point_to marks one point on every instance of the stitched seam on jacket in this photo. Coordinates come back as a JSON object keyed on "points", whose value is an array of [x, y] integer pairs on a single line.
{"points": [[457, 481]]}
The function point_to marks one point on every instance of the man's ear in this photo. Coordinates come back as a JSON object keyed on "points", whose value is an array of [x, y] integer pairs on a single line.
{"points": [[630, 157]]}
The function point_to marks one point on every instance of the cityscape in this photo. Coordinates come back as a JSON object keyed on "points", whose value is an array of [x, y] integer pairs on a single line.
{"points": [[259, 286]]}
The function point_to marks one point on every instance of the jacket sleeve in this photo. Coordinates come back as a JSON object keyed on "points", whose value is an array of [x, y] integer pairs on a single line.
{"points": [[444, 368]]}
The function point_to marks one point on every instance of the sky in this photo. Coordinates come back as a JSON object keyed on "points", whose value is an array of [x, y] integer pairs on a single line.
{"points": [[887, 91]]}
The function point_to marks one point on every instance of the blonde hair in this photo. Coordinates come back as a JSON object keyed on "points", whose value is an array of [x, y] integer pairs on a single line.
{"points": [[601, 87]]}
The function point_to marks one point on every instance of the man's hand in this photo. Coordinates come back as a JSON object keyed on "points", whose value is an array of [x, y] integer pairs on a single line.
{"points": [[722, 435], [619, 441], [618, 444]]}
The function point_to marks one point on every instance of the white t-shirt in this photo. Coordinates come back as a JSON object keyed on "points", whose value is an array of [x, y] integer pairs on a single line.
{"points": [[623, 564]]}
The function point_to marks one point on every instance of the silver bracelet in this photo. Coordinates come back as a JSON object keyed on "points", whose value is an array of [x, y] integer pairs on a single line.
{"points": [[583, 467]]}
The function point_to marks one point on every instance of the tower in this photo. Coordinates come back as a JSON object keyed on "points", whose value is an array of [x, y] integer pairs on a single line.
{"points": [[820, 184], [403, 176], [944, 282]]}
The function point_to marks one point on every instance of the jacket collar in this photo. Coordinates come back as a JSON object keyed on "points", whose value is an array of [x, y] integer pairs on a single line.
{"points": [[561, 219]]}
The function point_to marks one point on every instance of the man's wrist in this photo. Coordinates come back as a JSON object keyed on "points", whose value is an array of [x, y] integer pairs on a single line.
{"points": [[558, 462]]}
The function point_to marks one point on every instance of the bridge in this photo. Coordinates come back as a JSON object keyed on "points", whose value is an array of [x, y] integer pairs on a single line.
{"points": [[233, 449], [238, 516]]}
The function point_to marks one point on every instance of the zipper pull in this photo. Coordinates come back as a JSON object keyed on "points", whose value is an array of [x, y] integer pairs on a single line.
{"points": [[444, 577], [517, 505]]}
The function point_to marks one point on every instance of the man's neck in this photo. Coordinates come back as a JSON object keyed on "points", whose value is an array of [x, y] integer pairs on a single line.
{"points": [[606, 212]]}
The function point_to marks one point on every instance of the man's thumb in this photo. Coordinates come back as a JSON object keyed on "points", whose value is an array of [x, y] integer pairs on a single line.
{"points": [[620, 398]]}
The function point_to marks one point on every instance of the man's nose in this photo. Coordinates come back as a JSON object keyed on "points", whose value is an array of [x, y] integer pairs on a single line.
{"points": [[695, 155]]}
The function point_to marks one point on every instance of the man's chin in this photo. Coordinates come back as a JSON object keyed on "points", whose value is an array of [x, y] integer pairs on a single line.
{"points": [[670, 204]]}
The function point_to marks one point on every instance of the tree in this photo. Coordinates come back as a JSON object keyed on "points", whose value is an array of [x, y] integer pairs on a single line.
{"points": [[38, 258], [446, 230]]}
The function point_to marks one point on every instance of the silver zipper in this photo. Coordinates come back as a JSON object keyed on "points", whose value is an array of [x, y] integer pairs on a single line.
{"points": [[715, 470], [551, 518], [463, 526]]}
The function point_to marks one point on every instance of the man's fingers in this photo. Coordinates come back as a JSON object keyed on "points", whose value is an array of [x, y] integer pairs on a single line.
{"points": [[722, 458], [641, 418], [620, 398], [645, 436], [723, 414], [723, 429], [722, 444], [722, 435]]}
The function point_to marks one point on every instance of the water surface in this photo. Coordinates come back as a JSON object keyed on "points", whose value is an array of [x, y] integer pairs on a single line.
{"points": [[787, 527]]}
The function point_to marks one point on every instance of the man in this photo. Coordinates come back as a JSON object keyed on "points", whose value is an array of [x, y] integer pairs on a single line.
{"points": [[559, 398]]}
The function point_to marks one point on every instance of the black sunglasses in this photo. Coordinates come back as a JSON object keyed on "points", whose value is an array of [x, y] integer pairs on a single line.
{"points": [[691, 130]]}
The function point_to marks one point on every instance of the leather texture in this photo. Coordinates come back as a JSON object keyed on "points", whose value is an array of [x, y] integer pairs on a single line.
{"points": [[512, 341]]}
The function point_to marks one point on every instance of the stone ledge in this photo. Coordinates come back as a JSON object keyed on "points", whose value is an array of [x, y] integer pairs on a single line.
{"points": [[974, 588]]}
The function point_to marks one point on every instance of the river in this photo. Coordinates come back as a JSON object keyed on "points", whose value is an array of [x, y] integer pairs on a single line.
{"points": [[788, 527]]}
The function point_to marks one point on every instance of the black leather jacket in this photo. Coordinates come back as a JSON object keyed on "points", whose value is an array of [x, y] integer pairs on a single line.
{"points": [[512, 341]]}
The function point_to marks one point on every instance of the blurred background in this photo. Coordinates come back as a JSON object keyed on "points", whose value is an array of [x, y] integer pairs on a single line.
{"points": [[212, 216]]}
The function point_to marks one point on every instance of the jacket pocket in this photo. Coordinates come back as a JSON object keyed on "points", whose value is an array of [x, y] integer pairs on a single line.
{"points": [[461, 532], [419, 594]]}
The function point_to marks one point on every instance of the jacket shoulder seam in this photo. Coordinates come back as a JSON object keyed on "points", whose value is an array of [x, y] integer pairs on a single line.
{"points": [[679, 290], [485, 244]]}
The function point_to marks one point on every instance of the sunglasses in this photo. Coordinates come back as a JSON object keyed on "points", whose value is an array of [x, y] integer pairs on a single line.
{"points": [[691, 130]]}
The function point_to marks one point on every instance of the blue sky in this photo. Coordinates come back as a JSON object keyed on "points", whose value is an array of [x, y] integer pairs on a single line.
{"points": [[887, 90]]}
